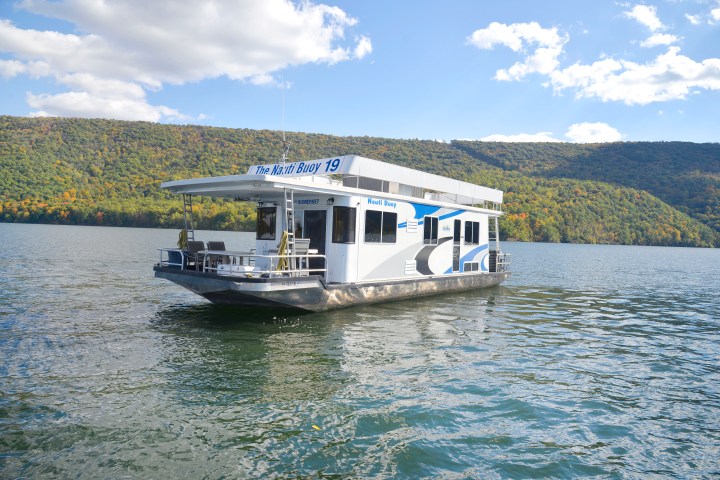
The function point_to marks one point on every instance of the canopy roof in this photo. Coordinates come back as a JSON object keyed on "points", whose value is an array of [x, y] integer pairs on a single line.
{"points": [[349, 174]]}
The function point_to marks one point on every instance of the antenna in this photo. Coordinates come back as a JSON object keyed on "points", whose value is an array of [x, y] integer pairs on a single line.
{"points": [[286, 144]]}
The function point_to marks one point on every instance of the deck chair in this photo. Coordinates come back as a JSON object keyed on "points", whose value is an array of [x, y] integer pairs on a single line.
{"points": [[218, 246], [302, 245], [195, 258]]}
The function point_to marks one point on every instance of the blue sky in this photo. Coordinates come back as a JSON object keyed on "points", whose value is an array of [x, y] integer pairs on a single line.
{"points": [[512, 70]]}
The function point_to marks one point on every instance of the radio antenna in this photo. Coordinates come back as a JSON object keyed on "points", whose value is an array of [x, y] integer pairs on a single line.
{"points": [[286, 144]]}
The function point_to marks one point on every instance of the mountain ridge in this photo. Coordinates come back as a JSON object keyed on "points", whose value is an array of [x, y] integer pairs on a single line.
{"points": [[108, 172]]}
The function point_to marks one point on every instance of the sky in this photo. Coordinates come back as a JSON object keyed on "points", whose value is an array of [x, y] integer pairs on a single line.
{"points": [[579, 71]]}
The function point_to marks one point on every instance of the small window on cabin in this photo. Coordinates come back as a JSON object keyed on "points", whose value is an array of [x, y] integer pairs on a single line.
{"points": [[373, 226], [430, 230], [380, 227], [389, 227], [472, 233], [343, 230], [266, 217]]}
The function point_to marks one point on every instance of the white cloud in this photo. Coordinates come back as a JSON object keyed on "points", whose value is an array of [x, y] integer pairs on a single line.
{"points": [[12, 68], [670, 76], [647, 16], [521, 137], [517, 36], [659, 39], [363, 48], [87, 105], [128, 45], [578, 133], [109, 88], [592, 133], [715, 14], [694, 19], [712, 17]]}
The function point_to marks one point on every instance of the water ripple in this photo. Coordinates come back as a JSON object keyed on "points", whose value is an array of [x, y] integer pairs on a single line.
{"points": [[107, 372]]}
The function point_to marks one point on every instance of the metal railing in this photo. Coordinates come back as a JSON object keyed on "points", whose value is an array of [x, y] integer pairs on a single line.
{"points": [[502, 262], [242, 264]]}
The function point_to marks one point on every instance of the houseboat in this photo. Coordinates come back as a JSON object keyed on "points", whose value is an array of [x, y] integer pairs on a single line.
{"points": [[342, 231]]}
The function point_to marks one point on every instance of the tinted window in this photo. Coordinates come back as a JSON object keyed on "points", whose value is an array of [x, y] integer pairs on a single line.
{"points": [[389, 227], [266, 223], [380, 227], [343, 230], [430, 230], [472, 233], [373, 225]]}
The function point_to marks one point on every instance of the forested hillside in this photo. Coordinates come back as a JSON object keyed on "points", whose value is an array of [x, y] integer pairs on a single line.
{"points": [[104, 172], [684, 175]]}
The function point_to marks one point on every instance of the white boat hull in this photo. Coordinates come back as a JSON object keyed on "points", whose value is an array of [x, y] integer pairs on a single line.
{"points": [[311, 293]]}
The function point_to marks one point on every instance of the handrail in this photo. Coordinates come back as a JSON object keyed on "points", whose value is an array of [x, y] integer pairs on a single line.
{"points": [[502, 263], [245, 264]]}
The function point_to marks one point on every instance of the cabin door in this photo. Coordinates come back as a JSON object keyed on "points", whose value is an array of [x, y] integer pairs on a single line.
{"points": [[316, 231], [456, 246]]}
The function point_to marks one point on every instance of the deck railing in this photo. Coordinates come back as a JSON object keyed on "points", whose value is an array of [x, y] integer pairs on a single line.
{"points": [[243, 264], [503, 262]]}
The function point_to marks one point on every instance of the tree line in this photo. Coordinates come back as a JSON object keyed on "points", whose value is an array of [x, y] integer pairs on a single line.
{"points": [[106, 172]]}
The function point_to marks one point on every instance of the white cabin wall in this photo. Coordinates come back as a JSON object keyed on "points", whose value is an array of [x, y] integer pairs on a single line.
{"points": [[342, 257], [368, 261], [385, 260], [381, 261]]}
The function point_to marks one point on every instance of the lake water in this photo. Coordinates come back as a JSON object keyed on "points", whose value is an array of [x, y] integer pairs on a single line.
{"points": [[591, 361]]}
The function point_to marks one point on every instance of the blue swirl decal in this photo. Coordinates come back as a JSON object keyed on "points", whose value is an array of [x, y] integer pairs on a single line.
{"points": [[451, 214], [423, 210], [468, 258]]}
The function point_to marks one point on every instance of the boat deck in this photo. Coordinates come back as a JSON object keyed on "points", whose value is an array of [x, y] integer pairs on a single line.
{"points": [[246, 264]]}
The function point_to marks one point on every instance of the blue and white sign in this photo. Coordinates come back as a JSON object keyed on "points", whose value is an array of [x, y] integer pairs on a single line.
{"points": [[326, 166], [379, 202]]}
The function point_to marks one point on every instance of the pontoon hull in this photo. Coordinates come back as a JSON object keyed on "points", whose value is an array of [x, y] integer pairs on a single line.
{"points": [[312, 294]]}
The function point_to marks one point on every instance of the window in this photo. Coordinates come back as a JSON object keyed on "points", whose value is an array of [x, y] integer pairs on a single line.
{"points": [[389, 227], [430, 235], [380, 227], [373, 226], [471, 267], [266, 223], [472, 233], [343, 230]]}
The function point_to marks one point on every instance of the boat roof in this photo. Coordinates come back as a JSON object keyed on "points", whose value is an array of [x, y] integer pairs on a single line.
{"points": [[348, 174]]}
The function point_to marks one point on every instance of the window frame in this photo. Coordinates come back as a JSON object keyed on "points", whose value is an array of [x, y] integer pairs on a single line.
{"points": [[472, 232], [270, 229], [387, 227], [347, 235], [432, 224], [392, 232]]}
